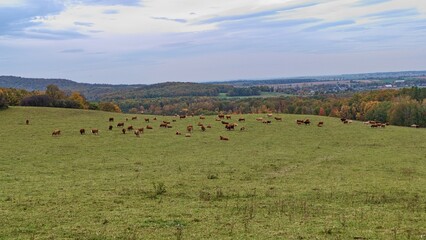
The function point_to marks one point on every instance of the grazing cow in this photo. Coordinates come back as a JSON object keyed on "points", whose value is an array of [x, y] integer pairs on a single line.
{"points": [[173, 120], [146, 119], [110, 127], [278, 118], [95, 131], [82, 131], [141, 130], [130, 128], [230, 126], [299, 122], [182, 116], [200, 124], [225, 123], [241, 119], [242, 128], [111, 119], [259, 119], [202, 117], [224, 138], [203, 128], [169, 126], [148, 127], [27, 122], [269, 115], [307, 122], [164, 125], [56, 132], [217, 119], [121, 124], [415, 126], [178, 133], [127, 119], [209, 126], [123, 131], [343, 119], [320, 124], [137, 133], [134, 118], [155, 119], [374, 125], [189, 128], [267, 121], [345, 122], [221, 116], [188, 135], [228, 116], [166, 122]]}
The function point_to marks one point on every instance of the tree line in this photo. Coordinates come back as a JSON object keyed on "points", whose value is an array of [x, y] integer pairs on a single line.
{"points": [[402, 107]]}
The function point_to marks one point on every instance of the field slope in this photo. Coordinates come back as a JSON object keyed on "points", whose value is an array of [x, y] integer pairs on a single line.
{"points": [[272, 181]]}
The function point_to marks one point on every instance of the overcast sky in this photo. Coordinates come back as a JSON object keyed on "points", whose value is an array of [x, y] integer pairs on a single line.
{"points": [[149, 41]]}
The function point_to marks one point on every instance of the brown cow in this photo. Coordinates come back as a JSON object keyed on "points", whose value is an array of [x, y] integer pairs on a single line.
{"points": [[202, 117], [141, 130], [95, 131], [225, 123], [189, 128], [203, 128], [221, 116], [299, 122], [259, 119], [82, 131], [182, 116], [269, 115], [230, 126], [130, 128], [134, 118], [155, 119], [111, 119], [241, 119], [178, 133], [110, 127], [173, 120], [148, 127], [209, 126], [228, 116], [27, 122], [217, 119], [169, 126], [123, 131], [166, 122], [278, 118], [307, 122], [242, 128], [137, 133], [164, 125], [320, 124], [267, 121], [56, 132], [146, 119], [127, 119], [120, 124], [224, 138]]}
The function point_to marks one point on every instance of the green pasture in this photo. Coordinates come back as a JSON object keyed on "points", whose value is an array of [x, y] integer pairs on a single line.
{"points": [[272, 181]]}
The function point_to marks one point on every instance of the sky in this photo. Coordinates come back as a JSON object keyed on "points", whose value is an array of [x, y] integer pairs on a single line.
{"points": [[151, 41]]}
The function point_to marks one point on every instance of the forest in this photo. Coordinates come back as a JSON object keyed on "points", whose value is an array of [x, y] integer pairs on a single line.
{"points": [[402, 107]]}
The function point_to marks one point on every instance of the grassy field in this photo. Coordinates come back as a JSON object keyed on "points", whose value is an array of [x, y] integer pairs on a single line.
{"points": [[277, 181]]}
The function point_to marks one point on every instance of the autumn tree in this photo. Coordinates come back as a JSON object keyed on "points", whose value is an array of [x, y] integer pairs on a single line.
{"points": [[3, 102], [54, 92], [109, 107]]}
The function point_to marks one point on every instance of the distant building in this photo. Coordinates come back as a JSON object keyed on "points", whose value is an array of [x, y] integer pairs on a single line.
{"points": [[388, 85]]}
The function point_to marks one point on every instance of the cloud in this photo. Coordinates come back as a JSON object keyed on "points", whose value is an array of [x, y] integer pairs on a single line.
{"points": [[398, 13], [111, 11], [85, 24], [16, 18], [370, 2], [330, 25], [179, 20], [109, 2]]}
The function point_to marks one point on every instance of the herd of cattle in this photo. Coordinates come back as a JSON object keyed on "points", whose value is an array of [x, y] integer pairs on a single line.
{"points": [[224, 119]]}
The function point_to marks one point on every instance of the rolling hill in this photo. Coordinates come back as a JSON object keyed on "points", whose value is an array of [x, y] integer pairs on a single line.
{"points": [[271, 181]]}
